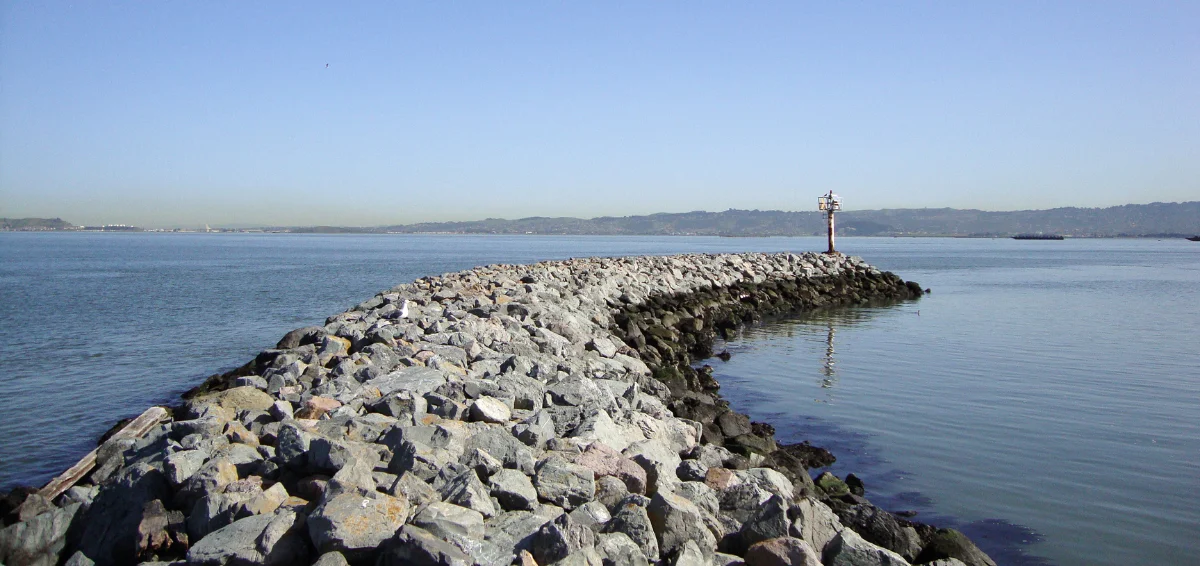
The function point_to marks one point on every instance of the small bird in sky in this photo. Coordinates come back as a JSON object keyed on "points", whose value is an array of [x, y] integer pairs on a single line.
{"points": [[326, 65]]}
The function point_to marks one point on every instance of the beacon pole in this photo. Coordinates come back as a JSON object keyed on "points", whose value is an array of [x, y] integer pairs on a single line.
{"points": [[830, 203]]}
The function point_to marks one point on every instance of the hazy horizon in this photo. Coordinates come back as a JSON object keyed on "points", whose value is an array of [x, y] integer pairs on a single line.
{"points": [[300, 114]]}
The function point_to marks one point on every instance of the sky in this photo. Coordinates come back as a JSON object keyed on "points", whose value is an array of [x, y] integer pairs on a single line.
{"points": [[166, 114]]}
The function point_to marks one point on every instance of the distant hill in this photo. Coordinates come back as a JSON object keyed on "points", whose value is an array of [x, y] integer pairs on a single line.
{"points": [[1154, 219], [35, 224]]}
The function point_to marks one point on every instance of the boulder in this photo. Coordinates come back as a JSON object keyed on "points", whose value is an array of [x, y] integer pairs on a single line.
{"points": [[275, 539], [413, 545], [39, 540], [610, 491], [450, 522], [417, 379], [161, 531], [631, 519], [109, 533], [236, 399], [770, 522], [592, 514], [949, 543], [560, 538], [182, 465], [742, 501], [331, 559], [676, 521], [880, 527], [605, 461], [490, 410], [355, 524], [563, 483], [618, 549], [849, 549], [503, 446], [513, 490], [466, 490], [815, 523], [782, 551]]}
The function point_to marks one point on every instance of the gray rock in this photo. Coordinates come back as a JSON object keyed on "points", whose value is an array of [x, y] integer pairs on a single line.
{"points": [[722, 559], [78, 559], [631, 519], [769, 480], [482, 462], [849, 549], [699, 493], [275, 539], [536, 430], [742, 501], [450, 522], [711, 455], [39, 540], [466, 490], [490, 410], [514, 529], [578, 391], [181, 465], [771, 521], [414, 489], [401, 404], [331, 559], [949, 543], [564, 484], [559, 538], [592, 514], [414, 546], [676, 521], [281, 410], [610, 491], [419, 380], [110, 525], [617, 549], [292, 444], [503, 446], [214, 511], [815, 523], [603, 346], [782, 551], [513, 490], [527, 392], [355, 524], [880, 527], [659, 460], [691, 555], [691, 470]]}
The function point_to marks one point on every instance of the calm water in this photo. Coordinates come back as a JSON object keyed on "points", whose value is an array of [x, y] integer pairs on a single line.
{"points": [[1047, 391], [1045, 398]]}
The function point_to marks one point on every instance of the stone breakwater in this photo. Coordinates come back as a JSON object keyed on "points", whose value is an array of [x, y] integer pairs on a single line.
{"points": [[539, 414]]}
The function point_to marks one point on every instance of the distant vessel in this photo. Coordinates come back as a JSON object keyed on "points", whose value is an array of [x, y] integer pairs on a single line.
{"points": [[1195, 238], [1037, 237]]}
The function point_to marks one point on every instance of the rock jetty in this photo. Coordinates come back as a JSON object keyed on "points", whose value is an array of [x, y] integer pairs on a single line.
{"points": [[534, 414]]}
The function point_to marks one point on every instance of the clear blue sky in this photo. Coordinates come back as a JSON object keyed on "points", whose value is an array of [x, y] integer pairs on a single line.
{"points": [[185, 113]]}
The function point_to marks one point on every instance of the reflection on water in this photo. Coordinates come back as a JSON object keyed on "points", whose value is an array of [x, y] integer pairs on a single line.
{"points": [[810, 340], [829, 365]]}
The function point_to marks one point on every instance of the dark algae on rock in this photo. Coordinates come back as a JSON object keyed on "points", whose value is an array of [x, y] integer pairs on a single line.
{"points": [[535, 414]]}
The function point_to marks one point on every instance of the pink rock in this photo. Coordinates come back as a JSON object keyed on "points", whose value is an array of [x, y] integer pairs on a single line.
{"points": [[720, 478], [604, 461], [782, 551]]}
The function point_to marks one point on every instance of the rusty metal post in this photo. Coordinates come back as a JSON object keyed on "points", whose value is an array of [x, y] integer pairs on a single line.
{"points": [[831, 249]]}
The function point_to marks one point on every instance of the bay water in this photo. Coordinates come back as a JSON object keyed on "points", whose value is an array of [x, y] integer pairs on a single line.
{"points": [[1044, 397]]}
